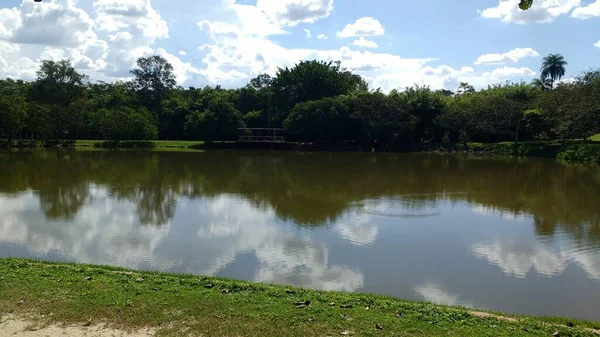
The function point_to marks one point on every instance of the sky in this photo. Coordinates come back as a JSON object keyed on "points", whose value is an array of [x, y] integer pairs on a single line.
{"points": [[392, 44]]}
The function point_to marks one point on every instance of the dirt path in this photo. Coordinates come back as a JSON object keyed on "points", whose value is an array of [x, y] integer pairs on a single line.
{"points": [[18, 326]]}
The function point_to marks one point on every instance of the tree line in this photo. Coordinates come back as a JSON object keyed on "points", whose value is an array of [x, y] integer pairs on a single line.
{"points": [[314, 101]]}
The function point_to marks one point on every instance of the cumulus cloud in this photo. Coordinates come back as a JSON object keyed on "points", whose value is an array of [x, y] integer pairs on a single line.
{"points": [[181, 70], [362, 42], [446, 70], [587, 12], [366, 26], [106, 230], [103, 43], [322, 37], [182, 53], [597, 44], [58, 23], [542, 11], [512, 56], [239, 52], [517, 259], [292, 12], [434, 293], [509, 72]]}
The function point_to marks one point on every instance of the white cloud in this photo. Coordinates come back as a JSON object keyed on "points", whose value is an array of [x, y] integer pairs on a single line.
{"points": [[239, 52], [181, 70], [587, 12], [597, 44], [446, 70], [182, 53], [542, 11], [509, 72], [517, 259], [292, 12], [107, 230], [307, 31], [362, 42], [366, 26], [434, 293], [103, 44], [322, 37], [57, 23], [512, 56]]}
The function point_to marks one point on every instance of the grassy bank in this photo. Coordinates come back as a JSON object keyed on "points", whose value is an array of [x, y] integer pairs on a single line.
{"points": [[588, 151], [174, 144], [574, 152], [185, 304]]}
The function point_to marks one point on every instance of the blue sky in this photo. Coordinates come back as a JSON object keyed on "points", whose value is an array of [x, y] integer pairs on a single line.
{"points": [[392, 44]]}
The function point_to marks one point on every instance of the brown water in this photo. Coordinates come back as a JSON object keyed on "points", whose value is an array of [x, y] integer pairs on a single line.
{"points": [[520, 236]]}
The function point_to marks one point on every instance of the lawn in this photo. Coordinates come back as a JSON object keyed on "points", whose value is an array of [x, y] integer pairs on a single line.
{"points": [[154, 143], [175, 305]]}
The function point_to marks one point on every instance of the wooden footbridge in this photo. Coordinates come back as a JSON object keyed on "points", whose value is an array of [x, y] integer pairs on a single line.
{"points": [[261, 135]]}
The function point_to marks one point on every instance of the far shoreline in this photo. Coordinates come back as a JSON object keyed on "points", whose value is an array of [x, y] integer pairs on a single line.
{"points": [[571, 151]]}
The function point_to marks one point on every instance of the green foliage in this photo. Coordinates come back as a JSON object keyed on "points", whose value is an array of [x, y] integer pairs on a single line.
{"points": [[220, 121], [124, 123], [310, 81], [255, 119], [315, 101], [62, 89], [574, 108], [327, 119], [426, 105], [365, 117], [525, 4]]}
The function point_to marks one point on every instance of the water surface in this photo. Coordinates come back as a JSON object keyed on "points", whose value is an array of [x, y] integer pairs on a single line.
{"points": [[521, 236]]}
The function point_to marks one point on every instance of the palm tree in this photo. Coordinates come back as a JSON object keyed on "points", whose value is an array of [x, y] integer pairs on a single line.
{"points": [[541, 83], [553, 68]]}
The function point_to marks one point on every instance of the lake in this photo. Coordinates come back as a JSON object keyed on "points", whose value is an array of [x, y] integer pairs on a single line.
{"points": [[512, 235]]}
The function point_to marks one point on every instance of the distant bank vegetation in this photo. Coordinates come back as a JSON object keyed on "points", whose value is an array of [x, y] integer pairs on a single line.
{"points": [[314, 101]]}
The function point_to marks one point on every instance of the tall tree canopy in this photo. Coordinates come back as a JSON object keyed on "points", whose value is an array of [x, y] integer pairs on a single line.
{"points": [[153, 80], [62, 89], [309, 81], [553, 68]]}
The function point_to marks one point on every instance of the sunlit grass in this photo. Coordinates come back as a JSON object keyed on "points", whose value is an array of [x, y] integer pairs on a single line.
{"points": [[206, 306], [155, 143]]}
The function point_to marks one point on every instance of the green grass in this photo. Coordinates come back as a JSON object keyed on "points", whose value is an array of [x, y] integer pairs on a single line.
{"points": [[595, 138], [151, 143], [69, 293]]}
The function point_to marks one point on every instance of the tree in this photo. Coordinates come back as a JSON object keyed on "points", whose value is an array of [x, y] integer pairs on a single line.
{"points": [[123, 123], [327, 119], [219, 121], [261, 81], [13, 112], [553, 68], [574, 108], [426, 105], [154, 80], [466, 116], [465, 88], [541, 84], [13, 107], [311, 81], [62, 88]]}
